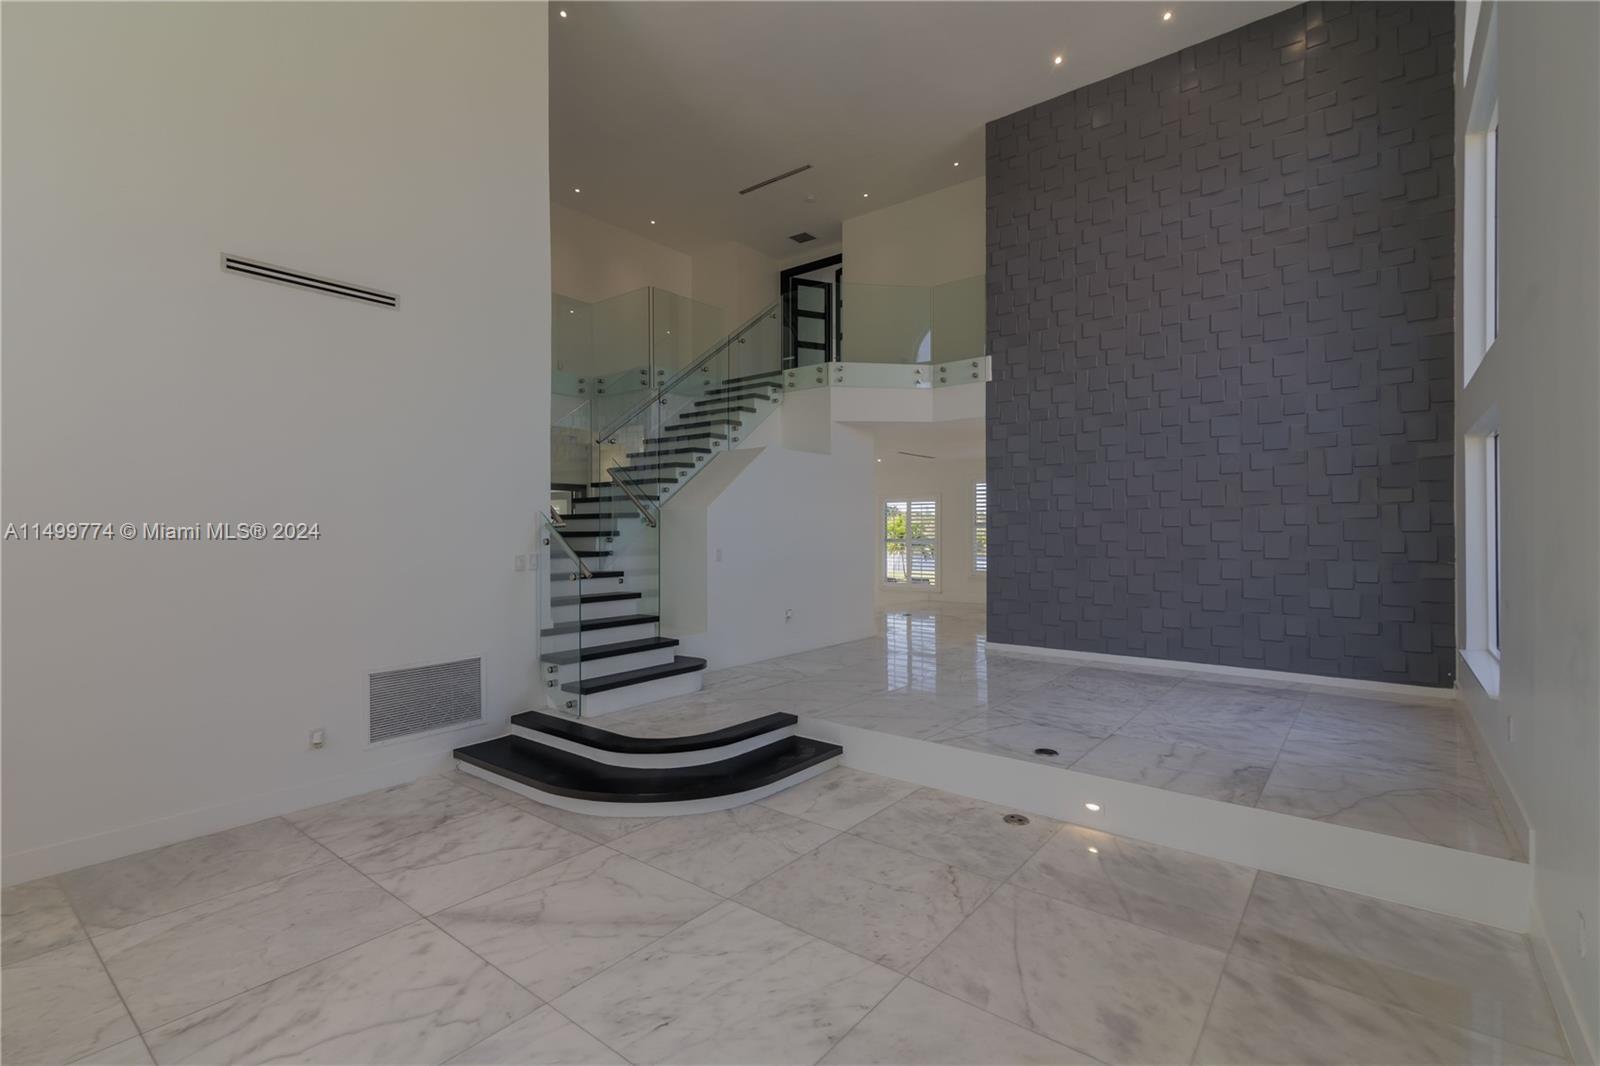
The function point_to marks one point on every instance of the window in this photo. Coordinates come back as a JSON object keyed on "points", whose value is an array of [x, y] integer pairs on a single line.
{"points": [[1480, 213], [1481, 561], [980, 529], [1492, 540], [910, 544]]}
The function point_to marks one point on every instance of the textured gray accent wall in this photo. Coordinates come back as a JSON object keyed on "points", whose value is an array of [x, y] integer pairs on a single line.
{"points": [[1220, 287]]}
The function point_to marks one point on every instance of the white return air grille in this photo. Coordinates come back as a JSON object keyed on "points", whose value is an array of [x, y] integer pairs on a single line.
{"points": [[235, 264], [419, 699]]}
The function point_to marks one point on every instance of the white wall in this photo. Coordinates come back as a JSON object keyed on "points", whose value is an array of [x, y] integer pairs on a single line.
{"points": [[591, 260], [736, 278], [156, 691], [1539, 384], [951, 483], [929, 240]]}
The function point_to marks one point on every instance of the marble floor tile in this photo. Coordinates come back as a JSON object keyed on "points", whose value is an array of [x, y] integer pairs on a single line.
{"points": [[732, 986], [555, 929], [918, 1026], [883, 904], [1078, 713], [361, 823], [701, 713], [601, 829], [1407, 741], [58, 1007], [1452, 971], [1249, 731], [1118, 991], [170, 965], [130, 1052], [1265, 1016], [1438, 808], [467, 856], [1186, 768], [839, 798], [724, 851], [543, 1038], [116, 894], [963, 832], [917, 718], [410, 996], [739, 680], [1110, 685], [35, 917], [1022, 740], [1171, 891]]}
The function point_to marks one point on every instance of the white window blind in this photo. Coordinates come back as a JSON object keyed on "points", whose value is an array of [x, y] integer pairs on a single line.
{"points": [[910, 542], [980, 528]]}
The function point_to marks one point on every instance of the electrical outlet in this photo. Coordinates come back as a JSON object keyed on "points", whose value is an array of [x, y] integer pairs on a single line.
{"points": [[319, 738], [788, 614], [520, 564]]}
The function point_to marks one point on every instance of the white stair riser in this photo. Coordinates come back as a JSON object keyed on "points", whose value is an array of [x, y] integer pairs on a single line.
{"points": [[593, 638], [595, 807], [611, 664], [654, 762], [608, 609], [662, 688]]}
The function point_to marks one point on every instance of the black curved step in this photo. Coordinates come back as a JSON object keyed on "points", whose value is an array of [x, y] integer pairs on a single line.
{"points": [[557, 772], [680, 664], [607, 651], [588, 624], [605, 740]]}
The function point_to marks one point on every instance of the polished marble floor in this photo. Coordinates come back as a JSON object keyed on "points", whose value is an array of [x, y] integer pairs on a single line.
{"points": [[1404, 769], [851, 919]]}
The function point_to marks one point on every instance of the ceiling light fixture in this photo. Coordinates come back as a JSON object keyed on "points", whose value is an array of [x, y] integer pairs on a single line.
{"points": [[1093, 850], [863, 196], [1092, 806], [563, 14], [956, 164], [1059, 60], [1166, 16], [652, 222], [577, 190]]}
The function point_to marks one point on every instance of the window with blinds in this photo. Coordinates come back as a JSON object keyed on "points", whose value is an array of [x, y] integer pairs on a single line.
{"points": [[980, 528], [910, 542]]}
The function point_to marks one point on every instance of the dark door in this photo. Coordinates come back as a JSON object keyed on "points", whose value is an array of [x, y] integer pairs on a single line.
{"points": [[810, 306]]}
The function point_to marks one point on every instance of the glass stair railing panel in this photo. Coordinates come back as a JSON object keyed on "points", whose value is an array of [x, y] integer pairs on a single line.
{"points": [[636, 548], [569, 580]]}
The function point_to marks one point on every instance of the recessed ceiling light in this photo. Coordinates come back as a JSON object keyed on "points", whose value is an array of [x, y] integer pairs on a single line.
{"points": [[956, 164], [577, 190], [1093, 850], [652, 222], [563, 14], [880, 460], [863, 196], [1059, 60], [1092, 806], [1166, 16]]}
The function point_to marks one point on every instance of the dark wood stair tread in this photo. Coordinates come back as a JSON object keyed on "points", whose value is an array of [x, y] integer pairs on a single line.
{"points": [[588, 624], [608, 651]]}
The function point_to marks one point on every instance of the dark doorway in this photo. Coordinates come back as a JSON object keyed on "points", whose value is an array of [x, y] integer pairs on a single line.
{"points": [[812, 299]]}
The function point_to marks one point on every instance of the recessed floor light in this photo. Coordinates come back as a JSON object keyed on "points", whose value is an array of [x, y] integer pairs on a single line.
{"points": [[1059, 60], [1092, 806], [1093, 850]]}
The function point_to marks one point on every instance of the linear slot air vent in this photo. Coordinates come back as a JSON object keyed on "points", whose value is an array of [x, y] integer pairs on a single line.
{"points": [[420, 699], [775, 179], [235, 264]]}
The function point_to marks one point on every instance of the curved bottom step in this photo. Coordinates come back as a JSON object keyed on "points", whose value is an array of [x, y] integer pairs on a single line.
{"points": [[585, 787]]}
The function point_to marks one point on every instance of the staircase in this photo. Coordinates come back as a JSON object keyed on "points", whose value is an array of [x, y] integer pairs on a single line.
{"points": [[602, 650]]}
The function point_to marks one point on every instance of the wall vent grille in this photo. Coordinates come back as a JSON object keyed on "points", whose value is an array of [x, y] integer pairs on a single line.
{"points": [[235, 264], [802, 237], [418, 699]]}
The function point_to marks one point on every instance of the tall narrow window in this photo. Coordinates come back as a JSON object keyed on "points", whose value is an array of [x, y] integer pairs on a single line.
{"points": [[1492, 538], [980, 528], [910, 542]]}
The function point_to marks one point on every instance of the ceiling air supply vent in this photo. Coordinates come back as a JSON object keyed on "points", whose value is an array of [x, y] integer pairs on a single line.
{"points": [[774, 179], [802, 237], [420, 699], [235, 264]]}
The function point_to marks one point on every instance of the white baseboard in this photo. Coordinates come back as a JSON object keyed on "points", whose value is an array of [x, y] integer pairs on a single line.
{"points": [[129, 840], [1387, 689], [1506, 800], [1580, 1044], [1463, 884]]}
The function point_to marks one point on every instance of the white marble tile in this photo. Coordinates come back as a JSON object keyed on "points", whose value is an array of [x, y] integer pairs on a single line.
{"points": [[918, 1026], [963, 832], [35, 918], [410, 996], [700, 713], [176, 963], [1118, 991], [724, 851], [1023, 740], [543, 1038], [1186, 768], [1251, 731], [1452, 971], [916, 717], [839, 798], [1438, 808], [1186, 895], [554, 929], [1081, 714], [883, 904], [468, 856], [361, 823], [732, 986], [116, 894], [1264, 1016], [1108, 685], [1407, 740], [741, 679], [130, 1052], [59, 1006], [599, 828]]}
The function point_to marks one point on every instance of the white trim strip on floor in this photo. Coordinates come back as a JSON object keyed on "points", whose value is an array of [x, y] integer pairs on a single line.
{"points": [[1282, 677], [1463, 884]]}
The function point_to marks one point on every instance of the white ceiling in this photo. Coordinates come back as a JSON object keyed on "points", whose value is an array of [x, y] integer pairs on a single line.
{"points": [[664, 110]]}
